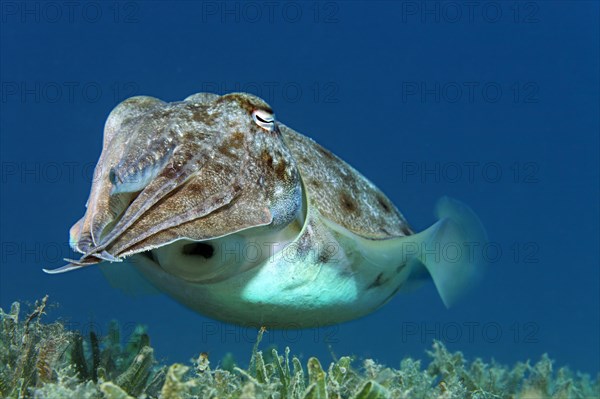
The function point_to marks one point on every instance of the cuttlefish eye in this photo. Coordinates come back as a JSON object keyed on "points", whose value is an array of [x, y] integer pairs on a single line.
{"points": [[264, 119]]}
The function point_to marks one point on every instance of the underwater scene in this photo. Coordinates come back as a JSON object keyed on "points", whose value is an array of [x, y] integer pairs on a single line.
{"points": [[299, 199]]}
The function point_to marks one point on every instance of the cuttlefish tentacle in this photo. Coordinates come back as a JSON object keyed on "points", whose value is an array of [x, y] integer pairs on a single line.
{"points": [[148, 182], [185, 163], [215, 202], [192, 167], [101, 209], [154, 164], [253, 201], [145, 200], [118, 145], [243, 176]]}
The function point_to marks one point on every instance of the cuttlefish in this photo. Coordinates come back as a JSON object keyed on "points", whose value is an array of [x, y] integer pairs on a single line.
{"points": [[239, 217]]}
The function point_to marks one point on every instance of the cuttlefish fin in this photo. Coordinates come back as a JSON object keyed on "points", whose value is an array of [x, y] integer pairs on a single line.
{"points": [[448, 249]]}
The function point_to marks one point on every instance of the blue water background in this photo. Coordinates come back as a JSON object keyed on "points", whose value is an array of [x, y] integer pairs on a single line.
{"points": [[383, 85]]}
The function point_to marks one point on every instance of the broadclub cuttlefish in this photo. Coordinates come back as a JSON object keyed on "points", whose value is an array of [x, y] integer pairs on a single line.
{"points": [[239, 217]]}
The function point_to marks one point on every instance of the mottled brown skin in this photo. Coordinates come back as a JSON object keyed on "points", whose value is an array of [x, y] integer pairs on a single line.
{"points": [[213, 172], [341, 193]]}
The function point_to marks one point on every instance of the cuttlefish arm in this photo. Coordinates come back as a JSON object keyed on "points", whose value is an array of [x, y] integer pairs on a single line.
{"points": [[102, 207], [197, 169]]}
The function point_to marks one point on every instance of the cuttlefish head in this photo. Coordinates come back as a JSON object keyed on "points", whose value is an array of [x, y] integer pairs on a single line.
{"points": [[198, 169]]}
